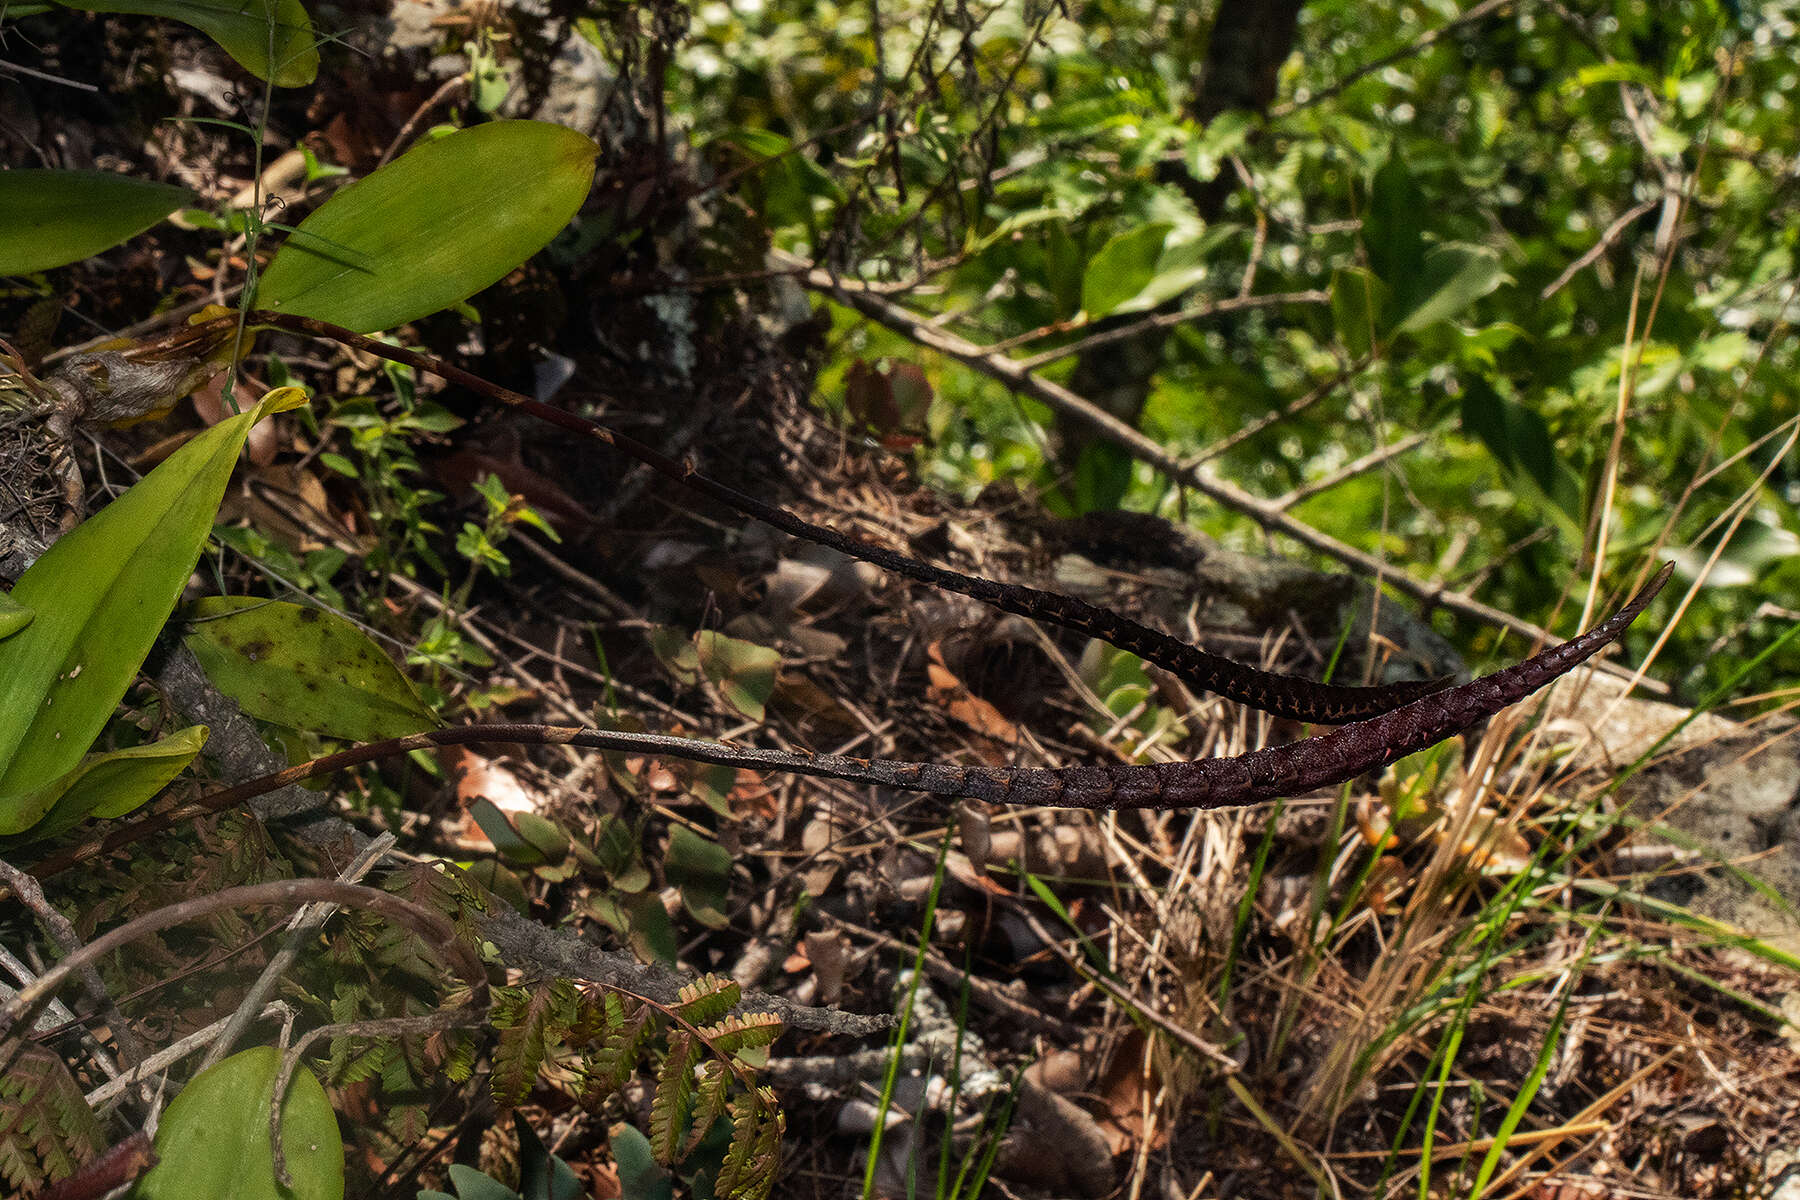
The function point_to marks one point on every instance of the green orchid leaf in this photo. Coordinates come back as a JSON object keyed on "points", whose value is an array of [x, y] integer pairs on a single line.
{"points": [[213, 1142], [103, 785], [58, 217], [303, 668], [433, 227], [102, 593], [271, 39]]}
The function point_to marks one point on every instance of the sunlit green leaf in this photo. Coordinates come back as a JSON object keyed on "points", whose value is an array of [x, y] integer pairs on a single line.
{"points": [[57, 217], [1123, 268], [433, 227], [102, 593], [103, 785]]}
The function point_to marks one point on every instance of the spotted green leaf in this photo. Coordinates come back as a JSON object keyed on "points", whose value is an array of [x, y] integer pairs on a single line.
{"points": [[304, 668]]}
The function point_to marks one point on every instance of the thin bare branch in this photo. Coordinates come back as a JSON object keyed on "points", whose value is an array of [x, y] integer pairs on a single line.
{"points": [[1418, 45], [1077, 408], [1198, 312], [1350, 470], [287, 892]]}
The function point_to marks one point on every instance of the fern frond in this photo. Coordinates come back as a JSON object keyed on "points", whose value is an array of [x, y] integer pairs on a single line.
{"points": [[756, 1128], [674, 1097], [709, 1101], [46, 1126], [356, 1059], [732, 1172], [630, 1027], [531, 1028], [745, 1032], [707, 999], [765, 1157], [460, 1064]]}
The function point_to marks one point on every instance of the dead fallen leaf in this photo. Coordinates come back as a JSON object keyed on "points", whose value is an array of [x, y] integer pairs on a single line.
{"points": [[949, 692]]}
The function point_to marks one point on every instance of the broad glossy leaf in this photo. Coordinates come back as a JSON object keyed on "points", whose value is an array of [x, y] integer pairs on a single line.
{"points": [[13, 617], [651, 932], [214, 1139], [744, 671], [620, 853], [701, 868], [1359, 303], [103, 785], [57, 217], [102, 593], [271, 39], [433, 227], [1484, 418], [1123, 268], [1392, 231], [471, 1184], [1454, 277], [641, 1177], [512, 845], [1520, 440], [542, 1175], [1103, 475], [303, 667], [788, 186]]}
